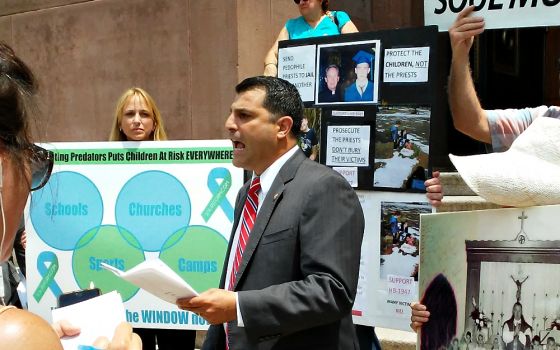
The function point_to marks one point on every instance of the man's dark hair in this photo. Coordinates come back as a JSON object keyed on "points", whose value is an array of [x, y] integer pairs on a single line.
{"points": [[281, 99]]}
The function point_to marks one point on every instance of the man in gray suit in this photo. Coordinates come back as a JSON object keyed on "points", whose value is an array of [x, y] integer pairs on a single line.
{"points": [[290, 284]]}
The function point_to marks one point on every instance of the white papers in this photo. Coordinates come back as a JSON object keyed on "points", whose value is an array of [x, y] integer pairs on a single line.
{"points": [[297, 65], [336, 113], [406, 65], [348, 146], [401, 291], [155, 277], [96, 317], [349, 173]]}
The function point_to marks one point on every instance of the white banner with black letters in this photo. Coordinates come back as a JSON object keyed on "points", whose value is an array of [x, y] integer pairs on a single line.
{"points": [[497, 13]]}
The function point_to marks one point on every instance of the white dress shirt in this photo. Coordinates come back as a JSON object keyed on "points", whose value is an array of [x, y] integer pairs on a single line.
{"points": [[266, 179]]}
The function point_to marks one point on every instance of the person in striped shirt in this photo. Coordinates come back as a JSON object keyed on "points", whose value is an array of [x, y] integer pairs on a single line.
{"points": [[498, 128]]}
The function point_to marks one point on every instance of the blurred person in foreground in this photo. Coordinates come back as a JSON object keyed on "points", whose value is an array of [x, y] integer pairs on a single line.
{"points": [[26, 167]]}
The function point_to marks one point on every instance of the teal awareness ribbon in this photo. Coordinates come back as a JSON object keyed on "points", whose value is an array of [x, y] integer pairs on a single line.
{"points": [[219, 191], [47, 274]]}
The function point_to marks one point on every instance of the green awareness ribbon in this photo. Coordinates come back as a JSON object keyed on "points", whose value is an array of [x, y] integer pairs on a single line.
{"points": [[219, 192], [47, 274]]}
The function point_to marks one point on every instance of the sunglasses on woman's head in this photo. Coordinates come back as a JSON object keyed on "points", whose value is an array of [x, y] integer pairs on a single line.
{"points": [[41, 164], [298, 1]]}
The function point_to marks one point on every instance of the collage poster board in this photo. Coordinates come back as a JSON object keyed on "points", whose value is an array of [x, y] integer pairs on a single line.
{"points": [[123, 203], [379, 140], [500, 268]]}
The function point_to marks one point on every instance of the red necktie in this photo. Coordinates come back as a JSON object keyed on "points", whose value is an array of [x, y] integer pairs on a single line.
{"points": [[247, 223]]}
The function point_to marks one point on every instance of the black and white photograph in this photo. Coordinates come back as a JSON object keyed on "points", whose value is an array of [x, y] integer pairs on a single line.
{"points": [[402, 147], [497, 274], [348, 73]]}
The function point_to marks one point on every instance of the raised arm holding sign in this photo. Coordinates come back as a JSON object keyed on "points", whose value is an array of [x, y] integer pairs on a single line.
{"points": [[25, 167], [497, 127], [468, 115]]}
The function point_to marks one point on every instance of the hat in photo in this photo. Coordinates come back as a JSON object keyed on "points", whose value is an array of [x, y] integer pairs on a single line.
{"points": [[527, 174], [363, 57]]}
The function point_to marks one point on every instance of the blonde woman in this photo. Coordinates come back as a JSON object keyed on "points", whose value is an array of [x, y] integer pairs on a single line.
{"points": [[137, 118]]}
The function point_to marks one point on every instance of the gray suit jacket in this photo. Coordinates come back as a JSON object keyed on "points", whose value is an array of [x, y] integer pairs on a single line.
{"points": [[299, 272]]}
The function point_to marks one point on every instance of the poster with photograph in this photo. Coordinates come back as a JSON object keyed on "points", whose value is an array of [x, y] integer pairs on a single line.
{"points": [[402, 147], [348, 73], [491, 279], [389, 266]]}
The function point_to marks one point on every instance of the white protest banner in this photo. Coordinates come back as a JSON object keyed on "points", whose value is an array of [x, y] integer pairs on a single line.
{"points": [[497, 13], [406, 65], [122, 203], [348, 145], [297, 65]]}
